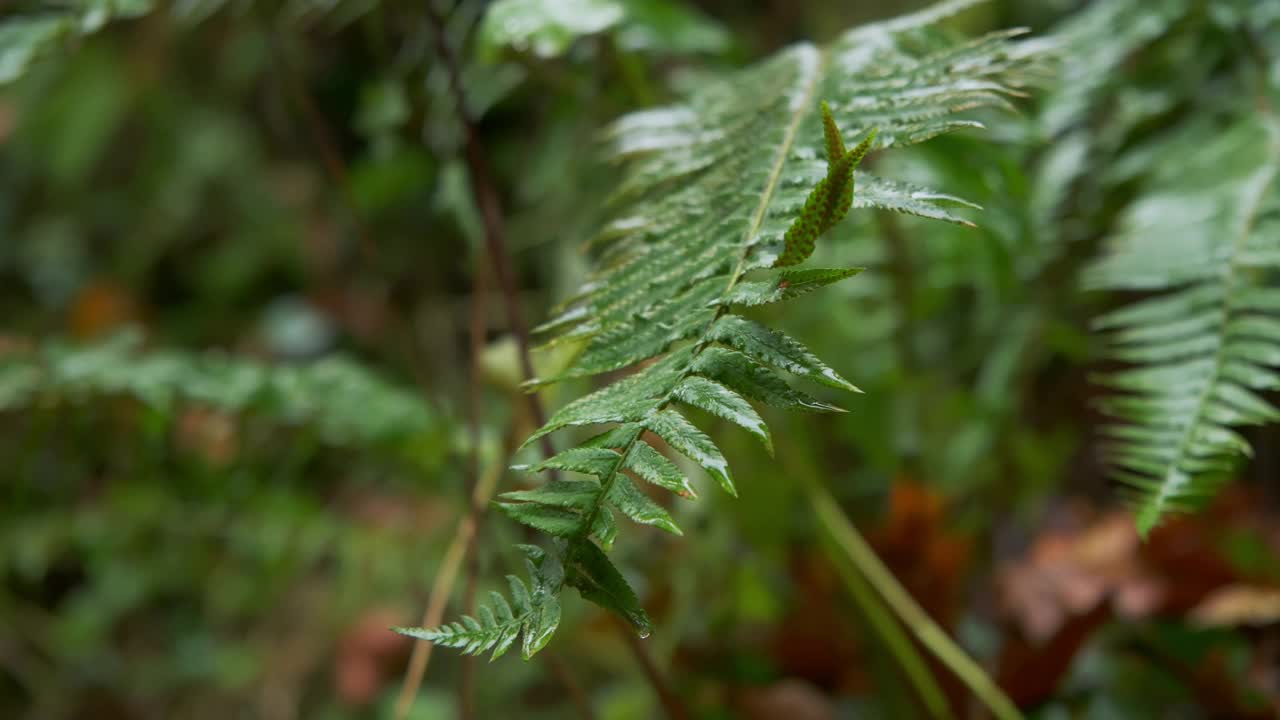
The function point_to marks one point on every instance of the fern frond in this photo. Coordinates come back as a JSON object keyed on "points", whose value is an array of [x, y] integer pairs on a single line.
{"points": [[533, 613], [1093, 44], [549, 29], [709, 190], [28, 37], [1206, 236], [345, 403], [24, 39]]}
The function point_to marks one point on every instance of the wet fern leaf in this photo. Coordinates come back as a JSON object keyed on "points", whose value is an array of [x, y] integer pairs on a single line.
{"points": [[533, 612], [715, 192]]}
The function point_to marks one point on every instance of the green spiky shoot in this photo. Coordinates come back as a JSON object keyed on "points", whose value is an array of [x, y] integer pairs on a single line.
{"points": [[830, 199]]}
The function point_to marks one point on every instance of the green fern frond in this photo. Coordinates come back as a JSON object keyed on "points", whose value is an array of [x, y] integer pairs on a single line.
{"points": [[1093, 44], [28, 37], [533, 613], [549, 29], [709, 191], [347, 405], [25, 39], [1206, 236]]}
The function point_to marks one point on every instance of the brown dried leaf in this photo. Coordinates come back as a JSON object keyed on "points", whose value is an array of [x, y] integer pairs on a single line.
{"points": [[369, 654], [1070, 573], [791, 699], [1236, 605], [100, 308]]}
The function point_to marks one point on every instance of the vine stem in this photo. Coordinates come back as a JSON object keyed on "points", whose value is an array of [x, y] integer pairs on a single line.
{"points": [[480, 487], [845, 537], [484, 190]]}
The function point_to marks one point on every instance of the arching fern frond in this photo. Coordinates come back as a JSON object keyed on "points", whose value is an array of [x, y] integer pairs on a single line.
{"points": [[709, 190], [1206, 236]]}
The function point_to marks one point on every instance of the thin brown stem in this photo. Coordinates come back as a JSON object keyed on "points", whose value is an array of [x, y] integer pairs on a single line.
{"points": [[442, 587], [480, 488], [322, 137], [485, 193], [479, 313]]}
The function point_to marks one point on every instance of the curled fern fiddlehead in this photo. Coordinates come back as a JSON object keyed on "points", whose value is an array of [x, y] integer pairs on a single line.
{"points": [[830, 199]]}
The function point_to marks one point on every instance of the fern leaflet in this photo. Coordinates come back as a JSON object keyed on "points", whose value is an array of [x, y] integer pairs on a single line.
{"points": [[830, 199]]}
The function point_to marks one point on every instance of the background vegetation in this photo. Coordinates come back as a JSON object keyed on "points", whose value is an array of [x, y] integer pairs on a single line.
{"points": [[257, 358]]}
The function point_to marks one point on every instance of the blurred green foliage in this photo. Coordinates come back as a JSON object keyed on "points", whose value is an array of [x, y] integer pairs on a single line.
{"points": [[220, 511]]}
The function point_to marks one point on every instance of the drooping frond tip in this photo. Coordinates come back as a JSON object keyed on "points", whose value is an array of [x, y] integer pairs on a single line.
{"points": [[534, 612], [830, 199]]}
